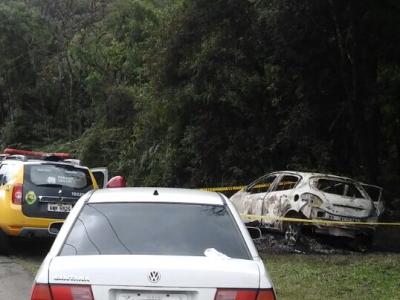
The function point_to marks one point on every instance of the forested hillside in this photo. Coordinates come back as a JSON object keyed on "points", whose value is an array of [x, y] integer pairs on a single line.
{"points": [[205, 92]]}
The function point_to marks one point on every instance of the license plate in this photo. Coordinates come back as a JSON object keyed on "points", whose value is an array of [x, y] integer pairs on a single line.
{"points": [[344, 219], [150, 296], [59, 207]]}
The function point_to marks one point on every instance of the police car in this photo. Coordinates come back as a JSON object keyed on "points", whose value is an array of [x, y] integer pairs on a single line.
{"points": [[37, 189]]}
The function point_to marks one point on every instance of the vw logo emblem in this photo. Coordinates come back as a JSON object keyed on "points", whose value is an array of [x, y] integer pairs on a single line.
{"points": [[154, 277]]}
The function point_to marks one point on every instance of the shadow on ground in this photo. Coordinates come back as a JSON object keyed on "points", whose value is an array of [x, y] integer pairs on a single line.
{"points": [[31, 247]]}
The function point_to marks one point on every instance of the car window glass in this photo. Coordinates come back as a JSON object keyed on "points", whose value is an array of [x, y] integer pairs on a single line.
{"points": [[262, 185], [154, 229], [6, 172], [68, 176], [287, 182]]}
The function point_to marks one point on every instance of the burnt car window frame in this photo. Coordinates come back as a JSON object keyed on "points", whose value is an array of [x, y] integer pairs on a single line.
{"points": [[344, 183], [276, 185], [251, 186], [366, 187]]}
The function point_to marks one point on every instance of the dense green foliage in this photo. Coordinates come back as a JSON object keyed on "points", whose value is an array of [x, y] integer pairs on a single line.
{"points": [[199, 92]]}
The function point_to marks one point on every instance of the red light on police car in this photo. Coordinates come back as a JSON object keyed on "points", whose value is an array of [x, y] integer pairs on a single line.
{"points": [[37, 154]]}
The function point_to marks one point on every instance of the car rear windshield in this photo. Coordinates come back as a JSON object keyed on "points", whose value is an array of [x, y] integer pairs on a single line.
{"points": [[338, 187], [58, 175], [155, 229]]}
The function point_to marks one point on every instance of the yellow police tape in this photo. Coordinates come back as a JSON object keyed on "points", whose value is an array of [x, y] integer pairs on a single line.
{"points": [[223, 189], [318, 221], [286, 184], [294, 220]]}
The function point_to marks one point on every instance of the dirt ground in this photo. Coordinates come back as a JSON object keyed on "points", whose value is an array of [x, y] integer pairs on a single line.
{"points": [[15, 280]]}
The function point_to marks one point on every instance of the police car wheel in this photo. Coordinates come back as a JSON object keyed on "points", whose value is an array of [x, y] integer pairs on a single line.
{"points": [[4, 243]]}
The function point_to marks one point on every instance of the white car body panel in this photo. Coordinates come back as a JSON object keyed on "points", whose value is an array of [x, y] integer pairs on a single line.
{"points": [[117, 276]]}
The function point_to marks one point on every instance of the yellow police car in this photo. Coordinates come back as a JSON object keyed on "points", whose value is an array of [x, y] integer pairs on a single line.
{"points": [[37, 189]]}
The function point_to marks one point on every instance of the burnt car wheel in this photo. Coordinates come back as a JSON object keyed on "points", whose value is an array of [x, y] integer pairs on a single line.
{"points": [[363, 243], [292, 232]]}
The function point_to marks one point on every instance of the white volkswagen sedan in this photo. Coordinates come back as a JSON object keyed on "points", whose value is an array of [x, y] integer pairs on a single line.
{"points": [[152, 244]]}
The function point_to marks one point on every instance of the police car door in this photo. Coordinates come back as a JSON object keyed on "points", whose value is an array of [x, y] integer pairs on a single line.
{"points": [[101, 176]]}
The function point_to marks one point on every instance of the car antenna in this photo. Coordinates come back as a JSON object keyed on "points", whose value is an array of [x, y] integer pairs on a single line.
{"points": [[155, 193]]}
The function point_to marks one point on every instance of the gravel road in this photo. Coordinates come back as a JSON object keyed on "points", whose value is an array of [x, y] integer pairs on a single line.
{"points": [[15, 281]]}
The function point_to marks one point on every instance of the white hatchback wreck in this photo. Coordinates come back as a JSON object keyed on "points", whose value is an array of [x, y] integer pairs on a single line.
{"points": [[309, 196]]}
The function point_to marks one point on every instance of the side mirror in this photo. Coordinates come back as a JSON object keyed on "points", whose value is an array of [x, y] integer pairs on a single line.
{"points": [[254, 232], [55, 227], [116, 182]]}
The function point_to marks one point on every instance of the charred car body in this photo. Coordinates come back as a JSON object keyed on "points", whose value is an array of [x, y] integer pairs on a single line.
{"points": [[310, 196]]}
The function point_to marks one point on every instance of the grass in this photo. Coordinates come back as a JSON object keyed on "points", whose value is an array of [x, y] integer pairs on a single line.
{"points": [[372, 276]]}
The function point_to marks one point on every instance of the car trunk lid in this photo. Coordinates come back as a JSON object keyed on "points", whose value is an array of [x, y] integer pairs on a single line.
{"points": [[126, 276]]}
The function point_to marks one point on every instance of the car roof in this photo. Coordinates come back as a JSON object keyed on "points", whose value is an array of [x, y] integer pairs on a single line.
{"points": [[39, 161], [312, 174], [156, 194]]}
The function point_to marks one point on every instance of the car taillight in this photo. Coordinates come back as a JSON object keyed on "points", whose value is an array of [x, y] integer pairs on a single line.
{"points": [[61, 292], [244, 294], [71, 292], [267, 294], [17, 194], [41, 292]]}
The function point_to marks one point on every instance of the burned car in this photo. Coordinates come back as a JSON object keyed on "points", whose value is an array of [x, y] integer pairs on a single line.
{"points": [[312, 196], [376, 195]]}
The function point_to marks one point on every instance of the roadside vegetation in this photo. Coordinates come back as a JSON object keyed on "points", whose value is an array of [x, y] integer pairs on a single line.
{"points": [[205, 93], [364, 276]]}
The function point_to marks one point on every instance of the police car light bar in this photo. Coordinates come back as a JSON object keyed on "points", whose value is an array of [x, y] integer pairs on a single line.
{"points": [[37, 154]]}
